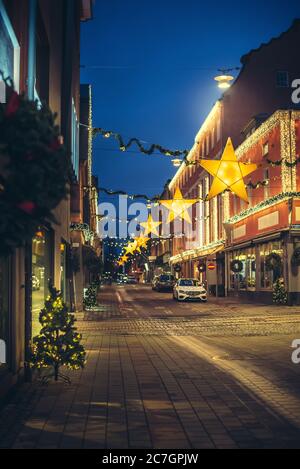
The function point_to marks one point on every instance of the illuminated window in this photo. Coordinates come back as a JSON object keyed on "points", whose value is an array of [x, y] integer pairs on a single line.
{"points": [[282, 79]]}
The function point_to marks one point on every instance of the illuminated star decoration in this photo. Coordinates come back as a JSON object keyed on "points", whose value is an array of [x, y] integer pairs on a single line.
{"points": [[229, 173], [150, 226], [142, 241], [178, 207], [130, 249], [124, 259]]}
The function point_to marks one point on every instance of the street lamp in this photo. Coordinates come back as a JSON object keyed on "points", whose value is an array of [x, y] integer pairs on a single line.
{"points": [[224, 81]]}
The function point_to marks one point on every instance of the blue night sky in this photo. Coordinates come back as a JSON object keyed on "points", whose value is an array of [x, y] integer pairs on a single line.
{"points": [[151, 65]]}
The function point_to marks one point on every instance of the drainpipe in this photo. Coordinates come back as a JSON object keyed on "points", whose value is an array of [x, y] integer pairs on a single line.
{"points": [[28, 247], [31, 49]]}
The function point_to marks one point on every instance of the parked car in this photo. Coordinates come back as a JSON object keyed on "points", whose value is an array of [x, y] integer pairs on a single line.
{"points": [[35, 283], [131, 280], [189, 289], [164, 282]]}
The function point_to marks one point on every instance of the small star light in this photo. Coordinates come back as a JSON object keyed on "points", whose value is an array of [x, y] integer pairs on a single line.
{"points": [[131, 248], [142, 241], [178, 206], [124, 259], [228, 173], [150, 226]]}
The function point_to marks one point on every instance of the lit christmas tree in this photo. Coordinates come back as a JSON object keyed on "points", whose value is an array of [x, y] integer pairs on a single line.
{"points": [[280, 296], [58, 343], [90, 299]]}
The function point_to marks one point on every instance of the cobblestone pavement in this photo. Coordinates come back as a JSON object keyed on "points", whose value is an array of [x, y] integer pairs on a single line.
{"points": [[168, 375]]}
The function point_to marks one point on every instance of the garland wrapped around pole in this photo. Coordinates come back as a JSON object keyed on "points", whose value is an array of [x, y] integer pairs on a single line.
{"points": [[34, 169]]}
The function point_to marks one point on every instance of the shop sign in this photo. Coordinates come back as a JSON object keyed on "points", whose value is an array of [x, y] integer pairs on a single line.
{"points": [[211, 266]]}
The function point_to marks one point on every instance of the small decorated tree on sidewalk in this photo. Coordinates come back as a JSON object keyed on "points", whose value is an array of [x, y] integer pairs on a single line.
{"points": [[58, 343], [280, 296], [90, 298]]}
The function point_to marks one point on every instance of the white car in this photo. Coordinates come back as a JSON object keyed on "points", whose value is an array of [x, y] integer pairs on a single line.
{"points": [[189, 289]]}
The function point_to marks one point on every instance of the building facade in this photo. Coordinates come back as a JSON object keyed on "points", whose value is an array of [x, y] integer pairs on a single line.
{"points": [[40, 50], [259, 97]]}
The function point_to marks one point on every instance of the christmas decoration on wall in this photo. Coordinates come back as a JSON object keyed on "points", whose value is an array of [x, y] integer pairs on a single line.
{"points": [[150, 227], [280, 296], [58, 343], [90, 297], [178, 207], [236, 266], [33, 170], [88, 234], [228, 173], [178, 268]]}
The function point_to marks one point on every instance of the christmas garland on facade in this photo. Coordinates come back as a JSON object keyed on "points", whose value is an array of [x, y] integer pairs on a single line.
{"points": [[33, 170]]}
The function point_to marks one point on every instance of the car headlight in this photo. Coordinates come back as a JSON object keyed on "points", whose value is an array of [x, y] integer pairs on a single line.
{"points": [[182, 292]]}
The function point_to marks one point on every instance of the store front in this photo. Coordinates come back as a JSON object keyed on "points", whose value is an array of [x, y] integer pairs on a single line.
{"points": [[252, 270], [42, 273]]}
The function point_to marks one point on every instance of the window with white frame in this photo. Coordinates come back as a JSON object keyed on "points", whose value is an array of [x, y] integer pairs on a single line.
{"points": [[75, 140], [9, 51]]}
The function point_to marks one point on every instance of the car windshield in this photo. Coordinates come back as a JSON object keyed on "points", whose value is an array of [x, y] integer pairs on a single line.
{"points": [[166, 278], [189, 283]]}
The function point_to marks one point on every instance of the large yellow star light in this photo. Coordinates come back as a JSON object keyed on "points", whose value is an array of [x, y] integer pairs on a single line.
{"points": [[229, 173], [150, 226], [178, 207]]}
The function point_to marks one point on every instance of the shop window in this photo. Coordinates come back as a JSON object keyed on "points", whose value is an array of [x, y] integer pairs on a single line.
{"points": [[41, 274], [4, 305], [266, 149], [245, 280], [268, 277]]}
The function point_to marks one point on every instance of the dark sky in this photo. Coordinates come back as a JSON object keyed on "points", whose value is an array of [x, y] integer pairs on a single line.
{"points": [[152, 63]]}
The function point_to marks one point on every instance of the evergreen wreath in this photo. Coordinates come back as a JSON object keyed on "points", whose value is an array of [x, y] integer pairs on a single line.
{"points": [[296, 257], [273, 261], [236, 266], [202, 267], [34, 169]]}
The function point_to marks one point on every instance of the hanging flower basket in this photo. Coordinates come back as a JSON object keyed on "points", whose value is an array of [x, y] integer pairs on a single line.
{"points": [[33, 170], [236, 266]]}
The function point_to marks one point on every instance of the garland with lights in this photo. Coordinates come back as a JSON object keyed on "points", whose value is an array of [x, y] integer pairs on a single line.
{"points": [[58, 343], [147, 151], [262, 205], [33, 169]]}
